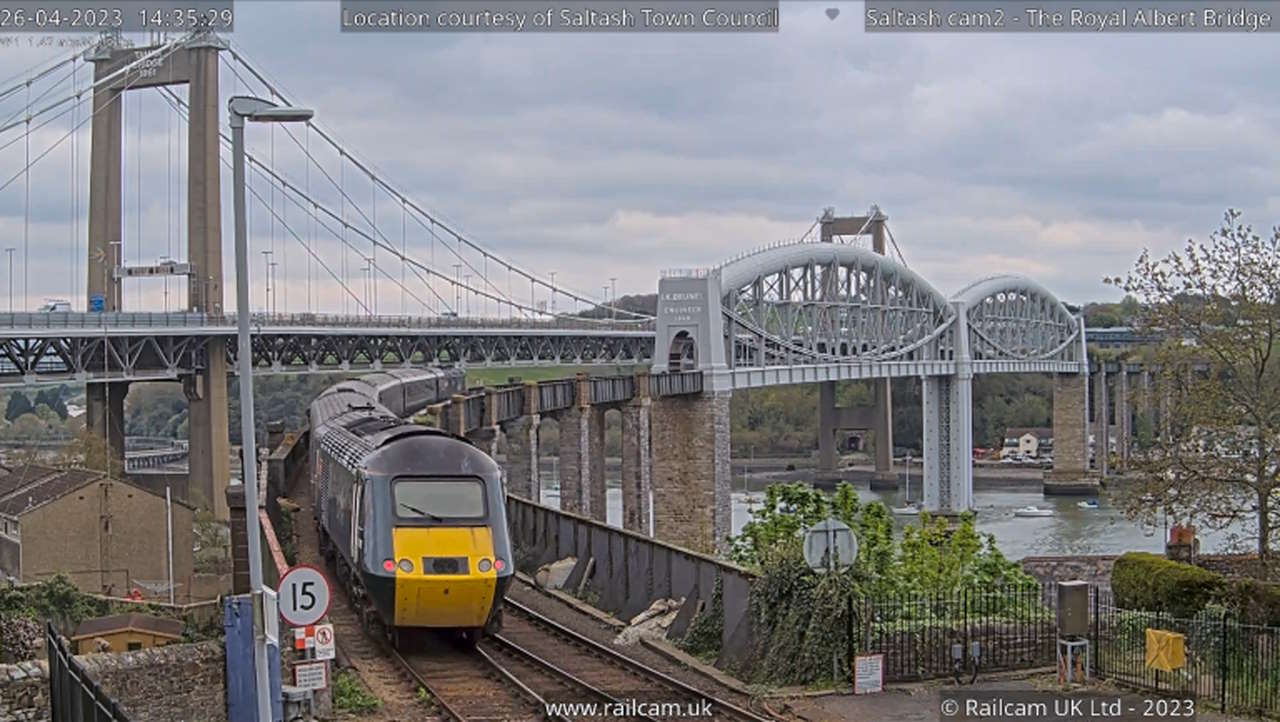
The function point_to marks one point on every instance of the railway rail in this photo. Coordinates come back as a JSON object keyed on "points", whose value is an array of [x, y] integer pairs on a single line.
{"points": [[607, 672]]}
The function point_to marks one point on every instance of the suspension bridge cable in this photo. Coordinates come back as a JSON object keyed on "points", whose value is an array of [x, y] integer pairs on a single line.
{"points": [[79, 125], [399, 195], [27, 77], [340, 185], [181, 107], [162, 51], [895, 245], [27, 107]]}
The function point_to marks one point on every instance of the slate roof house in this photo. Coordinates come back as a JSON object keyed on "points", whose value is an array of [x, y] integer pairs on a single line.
{"points": [[108, 536]]}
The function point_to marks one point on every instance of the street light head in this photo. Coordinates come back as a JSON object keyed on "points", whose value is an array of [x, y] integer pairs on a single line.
{"points": [[283, 115], [264, 111]]}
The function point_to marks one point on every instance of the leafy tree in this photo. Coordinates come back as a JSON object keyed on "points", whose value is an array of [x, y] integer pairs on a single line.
{"points": [[52, 397], [1217, 460], [18, 405]]}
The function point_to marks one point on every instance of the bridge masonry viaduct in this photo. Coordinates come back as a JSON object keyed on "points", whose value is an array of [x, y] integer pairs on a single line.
{"points": [[675, 447]]}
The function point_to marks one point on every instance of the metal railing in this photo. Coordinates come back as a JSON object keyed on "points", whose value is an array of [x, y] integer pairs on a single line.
{"points": [[556, 395], [73, 695], [675, 383], [122, 319], [1013, 627], [1229, 664], [611, 389], [508, 403]]}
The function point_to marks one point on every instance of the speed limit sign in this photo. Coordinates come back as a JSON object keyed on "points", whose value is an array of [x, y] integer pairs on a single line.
{"points": [[303, 595]]}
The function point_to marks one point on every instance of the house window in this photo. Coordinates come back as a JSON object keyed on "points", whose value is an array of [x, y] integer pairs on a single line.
{"points": [[135, 646]]}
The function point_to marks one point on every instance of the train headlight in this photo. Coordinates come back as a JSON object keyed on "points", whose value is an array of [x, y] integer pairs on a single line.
{"points": [[484, 565], [499, 565], [406, 566], [389, 565]]}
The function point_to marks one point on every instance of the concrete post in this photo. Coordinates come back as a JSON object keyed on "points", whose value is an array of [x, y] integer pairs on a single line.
{"points": [[827, 427], [522, 457], [883, 429], [1123, 416], [104, 419], [208, 423], [1070, 438], [690, 438], [1101, 421], [104, 402]]}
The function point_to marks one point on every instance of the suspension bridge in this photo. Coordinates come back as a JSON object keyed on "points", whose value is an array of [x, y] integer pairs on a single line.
{"points": [[379, 281]]}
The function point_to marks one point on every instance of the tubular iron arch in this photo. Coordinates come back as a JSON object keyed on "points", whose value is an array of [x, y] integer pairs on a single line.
{"points": [[1013, 318], [829, 303]]}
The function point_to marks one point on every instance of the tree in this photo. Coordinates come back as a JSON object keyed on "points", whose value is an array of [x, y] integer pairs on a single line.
{"points": [[1215, 460], [19, 404]]}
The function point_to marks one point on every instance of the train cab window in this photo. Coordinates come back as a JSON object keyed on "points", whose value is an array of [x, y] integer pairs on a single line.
{"points": [[439, 499]]}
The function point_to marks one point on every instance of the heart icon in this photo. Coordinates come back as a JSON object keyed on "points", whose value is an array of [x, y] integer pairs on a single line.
{"points": [[833, 12]]}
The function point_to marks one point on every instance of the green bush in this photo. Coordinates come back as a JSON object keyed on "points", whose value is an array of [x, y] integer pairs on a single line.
{"points": [[1147, 581], [1257, 602]]}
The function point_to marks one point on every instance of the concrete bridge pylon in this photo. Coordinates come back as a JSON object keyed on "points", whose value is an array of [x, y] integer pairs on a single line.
{"points": [[193, 62]]}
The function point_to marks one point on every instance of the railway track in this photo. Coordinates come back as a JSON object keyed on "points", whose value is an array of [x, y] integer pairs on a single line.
{"points": [[607, 673]]}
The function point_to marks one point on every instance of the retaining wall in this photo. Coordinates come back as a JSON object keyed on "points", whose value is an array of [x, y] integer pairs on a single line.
{"points": [[629, 571]]}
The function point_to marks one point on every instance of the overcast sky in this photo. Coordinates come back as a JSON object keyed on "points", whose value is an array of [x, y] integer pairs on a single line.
{"points": [[1060, 157]]}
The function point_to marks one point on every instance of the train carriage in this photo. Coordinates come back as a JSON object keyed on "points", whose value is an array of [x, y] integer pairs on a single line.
{"points": [[412, 518]]}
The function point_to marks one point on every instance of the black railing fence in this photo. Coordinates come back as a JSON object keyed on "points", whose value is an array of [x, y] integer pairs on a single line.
{"points": [[1013, 628], [73, 695], [1234, 666]]}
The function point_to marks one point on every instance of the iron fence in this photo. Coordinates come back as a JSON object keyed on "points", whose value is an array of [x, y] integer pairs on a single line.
{"points": [[1233, 665], [1013, 628], [73, 695]]}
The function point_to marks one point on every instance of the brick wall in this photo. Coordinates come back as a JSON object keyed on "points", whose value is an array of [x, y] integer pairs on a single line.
{"points": [[24, 692]]}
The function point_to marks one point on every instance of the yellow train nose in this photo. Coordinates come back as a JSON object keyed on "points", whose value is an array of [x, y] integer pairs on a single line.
{"points": [[439, 582]]}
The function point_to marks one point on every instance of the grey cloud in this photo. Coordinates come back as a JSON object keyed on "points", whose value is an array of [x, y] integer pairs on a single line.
{"points": [[1060, 156]]}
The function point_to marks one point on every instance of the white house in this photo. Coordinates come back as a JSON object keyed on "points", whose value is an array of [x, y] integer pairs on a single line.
{"points": [[1028, 441]]}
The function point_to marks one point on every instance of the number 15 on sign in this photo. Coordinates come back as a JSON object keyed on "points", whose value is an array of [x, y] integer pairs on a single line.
{"points": [[304, 595]]}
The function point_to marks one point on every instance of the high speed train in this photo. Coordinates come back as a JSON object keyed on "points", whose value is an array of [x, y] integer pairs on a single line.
{"points": [[411, 518]]}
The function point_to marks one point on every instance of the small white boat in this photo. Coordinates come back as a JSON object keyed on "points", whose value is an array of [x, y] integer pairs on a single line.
{"points": [[911, 509], [1090, 504], [1032, 511]]}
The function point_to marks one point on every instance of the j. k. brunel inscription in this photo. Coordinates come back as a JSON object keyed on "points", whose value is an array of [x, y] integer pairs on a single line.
{"points": [[682, 307]]}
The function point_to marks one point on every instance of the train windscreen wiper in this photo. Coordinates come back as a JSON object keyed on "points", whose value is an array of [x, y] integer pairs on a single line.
{"points": [[421, 512]]}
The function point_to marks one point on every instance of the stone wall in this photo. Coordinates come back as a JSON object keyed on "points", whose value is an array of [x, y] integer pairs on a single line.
{"points": [[180, 682], [690, 440], [24, 692], [177, 683], [1243, 565], [1094, 568]]}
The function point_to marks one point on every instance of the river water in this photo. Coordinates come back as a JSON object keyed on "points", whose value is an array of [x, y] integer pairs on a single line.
{"points": [[1070, 531]]}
